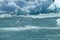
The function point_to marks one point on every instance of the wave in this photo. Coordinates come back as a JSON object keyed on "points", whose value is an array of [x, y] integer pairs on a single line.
{"points": [[53, 35], [27, 28], [5, 15], [19, 28], [31, 16]]}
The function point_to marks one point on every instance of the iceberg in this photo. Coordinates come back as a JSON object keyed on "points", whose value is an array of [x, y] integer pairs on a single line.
{"points": [[55, 6], [25, 6]]}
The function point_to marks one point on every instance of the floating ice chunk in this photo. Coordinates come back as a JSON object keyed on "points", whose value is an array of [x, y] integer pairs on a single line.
{"points": [[58, 22]]}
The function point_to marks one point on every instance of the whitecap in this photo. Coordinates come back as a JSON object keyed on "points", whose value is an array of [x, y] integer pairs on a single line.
{"points": [[27, 28]]}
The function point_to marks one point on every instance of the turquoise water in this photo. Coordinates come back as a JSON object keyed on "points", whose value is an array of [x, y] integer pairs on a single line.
{"points": [[21, 22], [30, 34]]}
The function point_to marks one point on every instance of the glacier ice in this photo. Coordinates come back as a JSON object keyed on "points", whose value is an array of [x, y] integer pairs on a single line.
{"points": [[55, 6], [58, 22], [25, 6], [34, 6], [57, 3]]}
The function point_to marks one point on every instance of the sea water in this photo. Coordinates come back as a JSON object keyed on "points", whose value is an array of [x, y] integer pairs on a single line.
{"points": [[29, 28]]}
